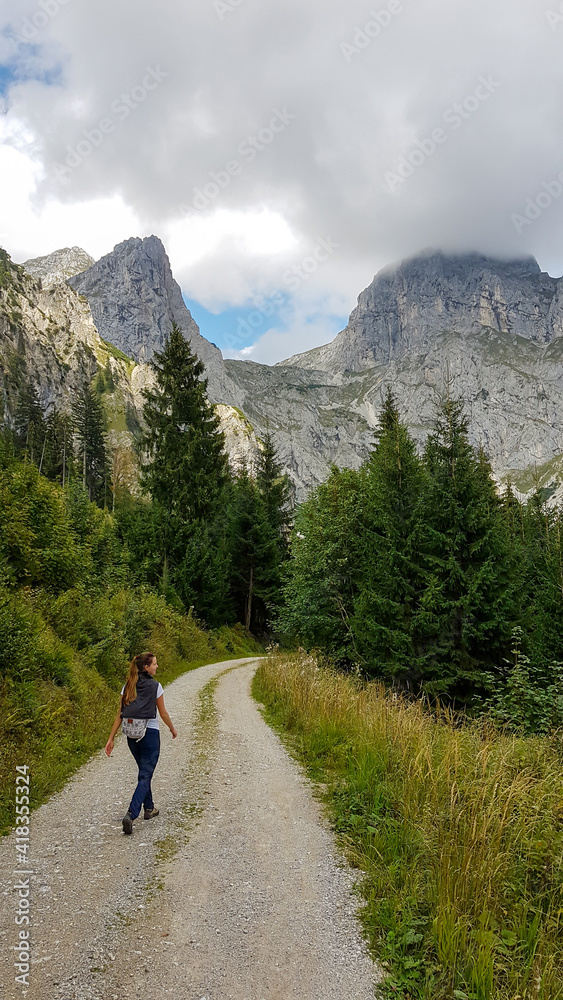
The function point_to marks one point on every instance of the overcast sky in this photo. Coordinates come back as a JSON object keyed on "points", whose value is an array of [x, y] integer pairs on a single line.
{"points": [[283, 151]]}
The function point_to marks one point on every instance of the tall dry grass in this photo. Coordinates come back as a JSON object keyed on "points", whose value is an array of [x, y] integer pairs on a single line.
{"points": [[457, 826]]}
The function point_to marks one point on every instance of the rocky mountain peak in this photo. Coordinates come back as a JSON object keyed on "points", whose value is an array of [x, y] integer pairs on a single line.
{"points": [[59, 265], [135, 299], [408, 305]]}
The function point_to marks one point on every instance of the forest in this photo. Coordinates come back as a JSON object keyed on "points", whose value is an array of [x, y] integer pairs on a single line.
{"points": [[415, 569]]}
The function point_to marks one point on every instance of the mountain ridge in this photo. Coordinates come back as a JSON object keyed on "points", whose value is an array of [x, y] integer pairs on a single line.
{"points": [[461, 291], [484, 329]]}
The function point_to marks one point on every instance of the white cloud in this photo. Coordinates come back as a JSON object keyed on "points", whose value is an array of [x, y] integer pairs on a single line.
{"points": [[31, 228], [219, 85]]}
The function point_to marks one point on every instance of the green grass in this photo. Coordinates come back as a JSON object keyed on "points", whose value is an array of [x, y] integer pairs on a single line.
{"points": [[457, 829], [116, 353], [540, 477]]}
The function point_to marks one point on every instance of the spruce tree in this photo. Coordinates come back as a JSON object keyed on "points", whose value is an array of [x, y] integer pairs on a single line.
{"points": [[185, 472], [29, 421], [57, 462], [389, 561], [321, 577], [276, 493], [92, 456], [253, 552], [466, 612]]}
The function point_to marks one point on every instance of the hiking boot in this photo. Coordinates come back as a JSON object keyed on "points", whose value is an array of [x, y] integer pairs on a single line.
{"points": [[149, 813], [127, 823]]}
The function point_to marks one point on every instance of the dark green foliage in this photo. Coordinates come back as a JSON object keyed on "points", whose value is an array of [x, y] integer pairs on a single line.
{"points": [[57, 458], [253, 553], [186, 474], [89, 424], [466, 610], [186, 467], [30, 429], [201, 578], [321, 587], [416, 571], [276, 493], [389, 571], [258, 540]]}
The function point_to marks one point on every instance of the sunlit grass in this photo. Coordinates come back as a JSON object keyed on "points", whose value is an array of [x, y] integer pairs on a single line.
{"points": [[458, 828]]}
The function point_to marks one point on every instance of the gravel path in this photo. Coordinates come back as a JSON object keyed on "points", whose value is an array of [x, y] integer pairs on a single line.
{"points": [[234, 892]]}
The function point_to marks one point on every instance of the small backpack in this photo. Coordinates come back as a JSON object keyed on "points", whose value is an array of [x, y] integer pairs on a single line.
{"points": [[135, 729]]}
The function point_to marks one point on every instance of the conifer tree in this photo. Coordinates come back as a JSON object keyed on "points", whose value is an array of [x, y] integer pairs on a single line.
{"points": [[185, 472], [276, 493], [253, 552], [466, 611], [92, 458], [29, 421], [542, 616], [186, 467], [57, 461], [389, 566], [321, 578]]}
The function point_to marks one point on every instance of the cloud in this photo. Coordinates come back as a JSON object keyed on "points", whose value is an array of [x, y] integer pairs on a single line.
{"points": [[285, 118]]}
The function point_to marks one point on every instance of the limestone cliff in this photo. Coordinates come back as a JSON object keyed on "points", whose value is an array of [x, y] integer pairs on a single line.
{"points": [[407, 306], [134, 300], [489, 329], [59, 265]]}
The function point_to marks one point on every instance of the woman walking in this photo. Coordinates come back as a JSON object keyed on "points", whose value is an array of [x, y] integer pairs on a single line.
{"points": [[141, 695]]}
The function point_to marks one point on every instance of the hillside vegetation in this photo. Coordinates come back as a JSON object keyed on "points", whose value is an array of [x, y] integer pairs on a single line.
{"points": [[70, 620], [457, 827], [415, 571]]}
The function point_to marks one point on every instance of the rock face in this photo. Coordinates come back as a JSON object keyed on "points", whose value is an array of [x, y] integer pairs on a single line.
{"points": [[489, 330], [58, 266], [406, 307], [134, 301], [51, 328]]}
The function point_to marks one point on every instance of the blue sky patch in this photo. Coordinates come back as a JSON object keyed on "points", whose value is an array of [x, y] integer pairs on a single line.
{"points": [[7, 77], [233, 329]]}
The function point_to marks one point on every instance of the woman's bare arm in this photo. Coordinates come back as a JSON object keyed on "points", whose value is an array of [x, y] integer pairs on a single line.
{"points": [[114, 728], [165, 717]]}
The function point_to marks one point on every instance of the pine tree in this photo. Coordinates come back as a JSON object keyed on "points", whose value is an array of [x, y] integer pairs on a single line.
{"points": [[29, 421], [321, 578], [389, 562], [186, 467], [465, 616], [185, 472], [90, 426], [276, 492], [57, 462], [252, 551]]}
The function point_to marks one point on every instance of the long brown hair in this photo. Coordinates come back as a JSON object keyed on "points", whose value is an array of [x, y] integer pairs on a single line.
{"points": [[136, 667]]}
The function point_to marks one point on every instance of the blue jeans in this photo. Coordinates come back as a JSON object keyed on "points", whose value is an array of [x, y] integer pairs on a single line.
{"points": [[146, 753]]}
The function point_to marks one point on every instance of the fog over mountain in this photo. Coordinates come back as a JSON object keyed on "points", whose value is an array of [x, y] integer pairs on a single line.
{"points": [[243, 133], [488, 330]]}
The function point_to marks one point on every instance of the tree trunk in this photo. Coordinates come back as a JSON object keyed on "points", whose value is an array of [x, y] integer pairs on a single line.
{"points": [[249, 601]]}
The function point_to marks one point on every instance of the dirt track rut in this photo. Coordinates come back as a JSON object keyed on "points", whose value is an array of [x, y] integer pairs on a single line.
{"points": [[234, 892]]}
